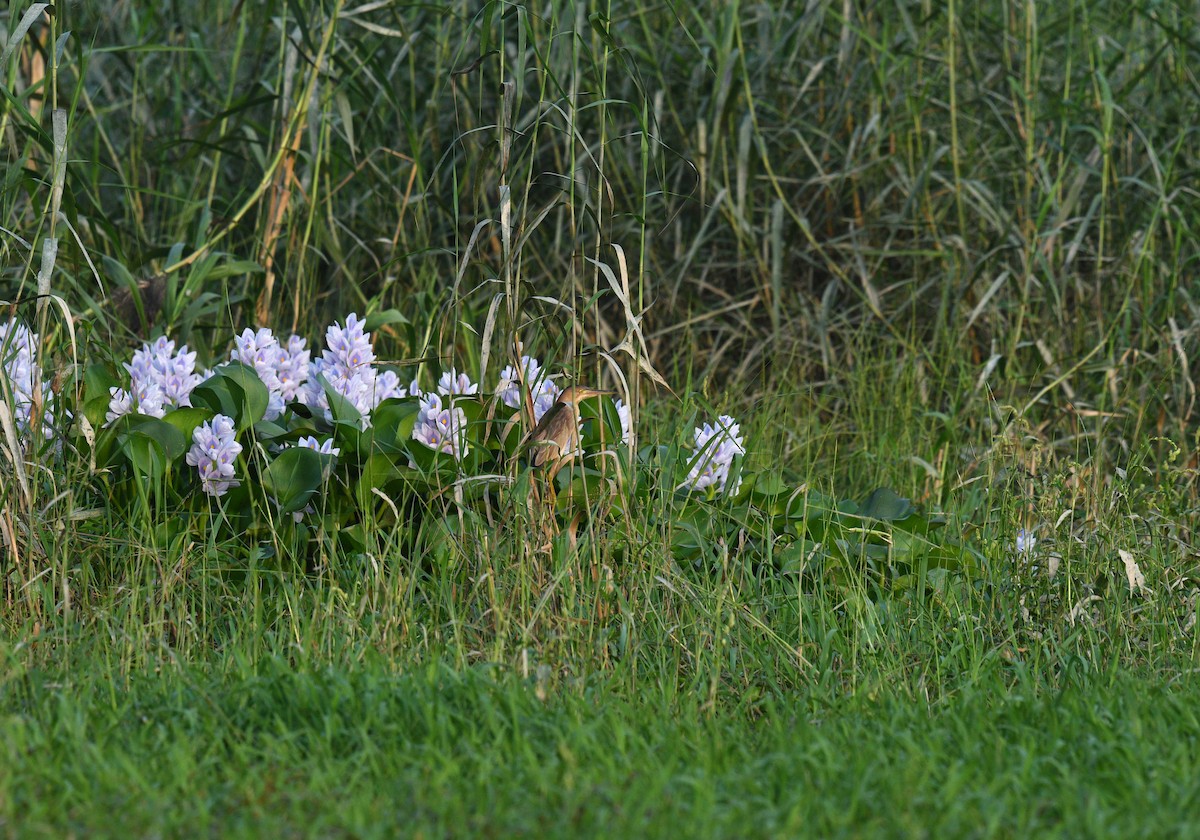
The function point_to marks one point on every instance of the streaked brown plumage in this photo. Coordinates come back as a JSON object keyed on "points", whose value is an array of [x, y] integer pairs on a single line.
{"points": [[555, 439]]}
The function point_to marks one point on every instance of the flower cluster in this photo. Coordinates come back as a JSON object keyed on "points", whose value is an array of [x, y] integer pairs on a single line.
{"points": [[283, 368], [542, 387], [160, 379], [716, 447], [441, 427], [212, 454], [347, 364], [18, 354]]}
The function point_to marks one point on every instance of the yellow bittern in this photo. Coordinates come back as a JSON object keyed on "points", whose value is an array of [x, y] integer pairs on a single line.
{"points": [[555, 439]]}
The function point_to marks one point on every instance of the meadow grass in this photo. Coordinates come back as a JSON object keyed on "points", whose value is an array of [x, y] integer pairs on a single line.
{"points": [[946, 250]]}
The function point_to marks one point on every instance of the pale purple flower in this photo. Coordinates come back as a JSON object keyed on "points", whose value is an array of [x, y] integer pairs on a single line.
{"points": [[291, 367], [25, 385], [275, 405], [325, 448], [453, 382], [430, 406], [533, 376], [348, 347], [146, 397], [120, 404], [414, 390], [260, 350], [543, 389], [283, 369], [387, 386], [1025, 541], [716, 447], [214, 450], [441, 429], [160, 379], [347, 364]]}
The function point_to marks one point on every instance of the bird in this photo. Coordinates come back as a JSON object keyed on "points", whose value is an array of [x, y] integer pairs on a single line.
{"points": [[554, 440]]}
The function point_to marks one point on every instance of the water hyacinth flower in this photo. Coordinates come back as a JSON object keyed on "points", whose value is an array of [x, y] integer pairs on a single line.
{"points": [[716, 447], [25, 386], [455, 383], [325, 448], [442, 429], [509, 387], [347, 364], [1025, 541], [543, 389], [282, 368], [291, 366], [387, 386], [213, 452], [160, 379]]}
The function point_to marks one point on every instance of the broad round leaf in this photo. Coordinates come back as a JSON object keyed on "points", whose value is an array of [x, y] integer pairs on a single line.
{"points": [[187, 419], [235, 391], [887, 505], [294, 477]]}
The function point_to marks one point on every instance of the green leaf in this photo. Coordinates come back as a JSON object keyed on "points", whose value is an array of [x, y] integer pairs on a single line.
{"points": [[341, 409], [384, 318], [95, 410], [887, 505], [232, 268], [97, 380], [294, 476], [267, 431], [145, 454], [172, 440], [389, 474], [151, 444], [235, 391], [796, 557], [392, 423], [187, 419]]}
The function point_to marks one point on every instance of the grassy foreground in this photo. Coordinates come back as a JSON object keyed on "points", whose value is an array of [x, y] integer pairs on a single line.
{"points": [[291, 750], [947, 250]]}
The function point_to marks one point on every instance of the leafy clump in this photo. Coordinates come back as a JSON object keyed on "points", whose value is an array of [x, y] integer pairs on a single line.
{"points": [[293, 446]]}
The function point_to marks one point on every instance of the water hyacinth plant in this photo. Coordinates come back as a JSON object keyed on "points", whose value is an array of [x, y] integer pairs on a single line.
{"points": [[23, 387], [161, 379], [214, 450], [716, 446], [347, 366], [283, 368], [441, 428], [341, 431], [542, 387]]}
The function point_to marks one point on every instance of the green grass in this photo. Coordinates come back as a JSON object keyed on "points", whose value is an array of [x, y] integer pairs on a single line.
{"points": [[944, 250], [289, 749]]}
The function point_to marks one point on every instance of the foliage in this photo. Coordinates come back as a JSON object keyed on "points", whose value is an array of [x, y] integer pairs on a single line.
{"points": [[938, 249]]}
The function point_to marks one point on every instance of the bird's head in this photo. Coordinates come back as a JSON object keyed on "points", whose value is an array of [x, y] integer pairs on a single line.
{"points": [[574, 393]]}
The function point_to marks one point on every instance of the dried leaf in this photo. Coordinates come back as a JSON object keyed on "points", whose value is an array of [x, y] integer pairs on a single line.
{"points": [[1137, 581]]}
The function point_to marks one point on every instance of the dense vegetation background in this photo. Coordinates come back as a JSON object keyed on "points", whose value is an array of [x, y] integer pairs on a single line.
{"points": [[945, 249]]}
